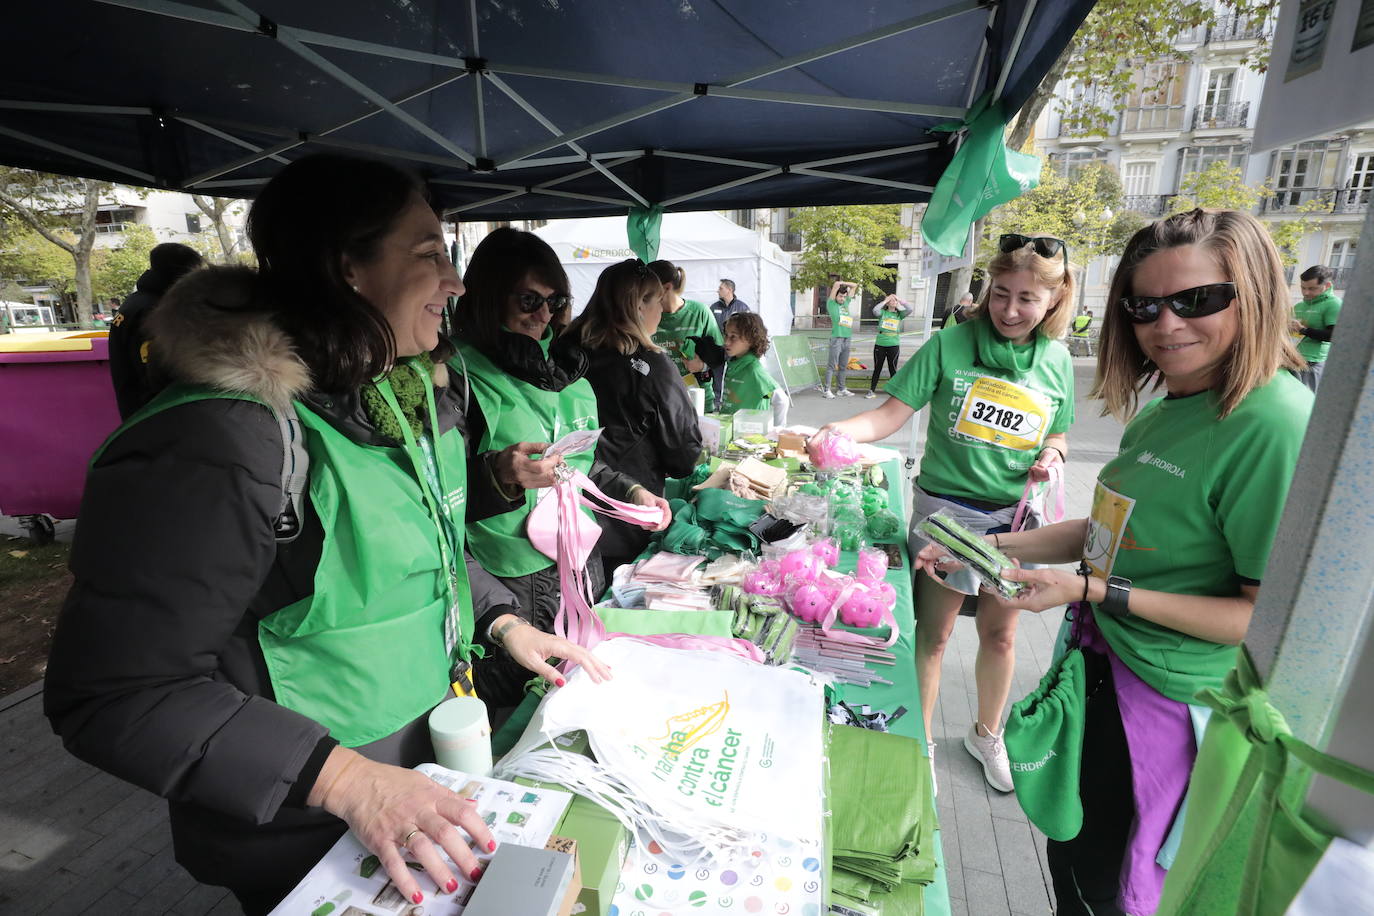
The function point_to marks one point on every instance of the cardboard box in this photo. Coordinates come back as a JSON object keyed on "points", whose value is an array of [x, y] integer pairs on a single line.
{"points": [[602, 846], [792, 442], [568, 845], [524, 880]]}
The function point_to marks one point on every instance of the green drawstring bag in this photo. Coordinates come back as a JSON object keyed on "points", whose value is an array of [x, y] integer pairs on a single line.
{"points": [[1044, 738]]}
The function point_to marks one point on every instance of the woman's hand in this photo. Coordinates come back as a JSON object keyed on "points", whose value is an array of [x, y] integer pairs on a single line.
{"points": [[693, 364], [386, 806], [934, 559], [1049, 457], [644, 497], [515, 469], [1049, 588], [531, 647]]}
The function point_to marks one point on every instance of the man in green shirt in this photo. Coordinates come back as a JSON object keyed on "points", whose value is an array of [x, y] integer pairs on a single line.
{"points": [[1313, 320], [841, 330]]}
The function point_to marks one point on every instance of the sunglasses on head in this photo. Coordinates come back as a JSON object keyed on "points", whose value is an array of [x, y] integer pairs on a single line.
{"points": [[531, 302], [1046, 246], [1187, 303]]}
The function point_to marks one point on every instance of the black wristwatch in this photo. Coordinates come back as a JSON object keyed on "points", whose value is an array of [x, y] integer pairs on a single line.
{"points": [[1118, 594]]}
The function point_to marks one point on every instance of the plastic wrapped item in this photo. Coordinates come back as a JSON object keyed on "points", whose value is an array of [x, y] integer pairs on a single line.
{"points": [[849, 535], [872, 564], [809, 602], [802, 565], [767, 579], [830, 451], [802, 508], [986, 561], [828, 550], [874, 499], [884, 525], [862, 609], [884, 592]]}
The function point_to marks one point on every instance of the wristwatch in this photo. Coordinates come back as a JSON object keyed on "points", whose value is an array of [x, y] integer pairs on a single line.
{"points": [[1118, 594]]}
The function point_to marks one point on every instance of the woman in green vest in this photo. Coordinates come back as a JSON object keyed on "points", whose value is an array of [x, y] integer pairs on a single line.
{"points": [[266, 662], [1001, 396], [524, 387], [1181, 528], [688, 332]]}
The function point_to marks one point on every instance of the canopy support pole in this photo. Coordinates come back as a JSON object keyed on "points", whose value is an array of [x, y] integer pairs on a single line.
{"points": [[1013, 50], [77, 154]]}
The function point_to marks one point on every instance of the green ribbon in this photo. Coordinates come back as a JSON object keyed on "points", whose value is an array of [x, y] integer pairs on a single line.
{"points": [[642, 227]]}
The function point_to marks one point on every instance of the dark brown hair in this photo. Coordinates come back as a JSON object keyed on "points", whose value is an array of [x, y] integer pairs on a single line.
{"points": [[751, 327], [668, 273], [307, 219], [499, 265]]}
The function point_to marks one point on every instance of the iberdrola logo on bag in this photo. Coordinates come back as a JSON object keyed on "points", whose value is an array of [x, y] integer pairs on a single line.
{"points": [[678, 756]]}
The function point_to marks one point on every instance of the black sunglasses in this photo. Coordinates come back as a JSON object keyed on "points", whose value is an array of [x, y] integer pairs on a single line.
{"points": [[1046, 246], [531, 302], [1186, 303]]}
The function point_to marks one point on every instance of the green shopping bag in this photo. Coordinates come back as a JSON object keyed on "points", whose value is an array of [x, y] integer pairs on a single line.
{"points": [[1248, 847], [1044, 738]]}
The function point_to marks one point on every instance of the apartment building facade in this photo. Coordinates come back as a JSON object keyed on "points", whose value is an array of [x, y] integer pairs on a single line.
{"points": [[1184, 116]]}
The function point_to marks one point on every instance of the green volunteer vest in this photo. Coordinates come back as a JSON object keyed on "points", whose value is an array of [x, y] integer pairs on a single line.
{"points": [[516, 411], [365, 654]]}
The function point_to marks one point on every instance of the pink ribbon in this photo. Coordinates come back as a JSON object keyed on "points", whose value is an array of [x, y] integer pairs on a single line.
{"points": [[1054, 488]]}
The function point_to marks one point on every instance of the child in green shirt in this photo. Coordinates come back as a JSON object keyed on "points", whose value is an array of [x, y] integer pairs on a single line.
{"points": [[748, 386]]}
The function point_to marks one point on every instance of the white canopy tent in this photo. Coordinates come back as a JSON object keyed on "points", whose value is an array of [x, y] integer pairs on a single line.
{"points": [[708, 246]]}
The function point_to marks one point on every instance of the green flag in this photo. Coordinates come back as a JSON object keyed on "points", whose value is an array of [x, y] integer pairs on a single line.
{"points": [[642, 228], [982, 175]]}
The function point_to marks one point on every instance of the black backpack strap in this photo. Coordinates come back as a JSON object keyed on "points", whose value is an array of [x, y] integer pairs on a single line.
{"points": [[295, 471]]}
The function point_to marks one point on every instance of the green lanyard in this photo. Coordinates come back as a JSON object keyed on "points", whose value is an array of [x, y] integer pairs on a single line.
{"points": [[431, 475]]}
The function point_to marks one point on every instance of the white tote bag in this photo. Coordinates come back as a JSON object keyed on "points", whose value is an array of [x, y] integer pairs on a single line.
{"points": [[703, 752]]}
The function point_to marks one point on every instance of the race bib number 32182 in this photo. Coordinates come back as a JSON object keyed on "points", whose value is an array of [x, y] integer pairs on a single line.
{"points": [[1005, 414]]}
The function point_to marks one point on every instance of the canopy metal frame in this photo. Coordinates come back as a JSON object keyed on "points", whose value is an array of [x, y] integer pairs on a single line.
{"points": [[240, 16]]}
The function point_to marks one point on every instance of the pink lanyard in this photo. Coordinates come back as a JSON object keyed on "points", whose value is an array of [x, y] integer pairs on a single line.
{"points": [[1054, 489]]}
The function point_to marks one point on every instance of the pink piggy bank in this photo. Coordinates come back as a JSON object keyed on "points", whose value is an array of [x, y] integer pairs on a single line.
{"points": [[862, 610], [884, 593], [766, 580], [872, 564], [809, 603], [802, 565], [828, 550]]}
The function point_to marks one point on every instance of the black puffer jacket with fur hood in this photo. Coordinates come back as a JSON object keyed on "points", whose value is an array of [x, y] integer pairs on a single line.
{"points": [[156, 674]]}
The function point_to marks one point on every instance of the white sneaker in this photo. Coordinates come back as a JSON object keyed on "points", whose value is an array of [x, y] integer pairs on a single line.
{"points": [[871, 395], [827, 393], [845, 393], [930, 758], [992, 754]]}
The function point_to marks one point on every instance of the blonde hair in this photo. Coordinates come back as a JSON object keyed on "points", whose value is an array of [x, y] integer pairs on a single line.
{"points": [[611, 319], [1050, 273], [1246, 255]]}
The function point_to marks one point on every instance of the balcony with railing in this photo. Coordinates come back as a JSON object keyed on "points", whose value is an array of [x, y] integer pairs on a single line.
{"points": [[1148, 118], [1146, 204], [787, 241], [1231, 114], [1236, 28], [1318, 200]]}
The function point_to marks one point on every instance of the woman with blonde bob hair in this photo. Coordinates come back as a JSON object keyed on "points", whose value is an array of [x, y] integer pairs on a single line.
{"points": [[1182, 522], [650, 429], [1000, 387]]}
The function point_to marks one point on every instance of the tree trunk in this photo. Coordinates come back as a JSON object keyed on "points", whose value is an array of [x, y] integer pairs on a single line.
{"points": [[215, 209], [1030, 112], [82, 255]]}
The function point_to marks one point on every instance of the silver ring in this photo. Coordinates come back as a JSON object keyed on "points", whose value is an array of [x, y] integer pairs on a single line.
{"points": [[405, 840]]}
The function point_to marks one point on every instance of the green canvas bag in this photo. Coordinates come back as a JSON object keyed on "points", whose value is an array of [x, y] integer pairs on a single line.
{"points": [[1044, 739]]}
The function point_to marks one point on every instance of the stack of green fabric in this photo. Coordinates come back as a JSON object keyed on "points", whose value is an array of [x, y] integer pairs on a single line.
{"points": [[717, 523], [882, 830]]}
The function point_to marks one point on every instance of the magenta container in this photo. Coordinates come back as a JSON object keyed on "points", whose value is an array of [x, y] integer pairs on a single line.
{"points": [[55, 410]]}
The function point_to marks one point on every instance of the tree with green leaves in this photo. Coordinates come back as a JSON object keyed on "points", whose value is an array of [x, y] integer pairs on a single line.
{"points": [[62, 211], [1085, 209], [1105, 54], [117, 270], [32, 260], [845, 242], [1221, 186]]}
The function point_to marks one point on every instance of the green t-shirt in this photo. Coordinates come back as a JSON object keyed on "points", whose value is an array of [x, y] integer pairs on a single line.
{"points": [[987, 424], [841, 322], [692, 320], [748, 386], [889, 328], [1319, 314], [1190, 505]]}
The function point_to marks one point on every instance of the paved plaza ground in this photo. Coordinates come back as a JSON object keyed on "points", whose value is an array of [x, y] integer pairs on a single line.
{"points": [[75, 840]]}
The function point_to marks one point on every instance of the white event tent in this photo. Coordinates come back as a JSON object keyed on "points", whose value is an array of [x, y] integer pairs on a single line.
{"points": [[707, 245]]}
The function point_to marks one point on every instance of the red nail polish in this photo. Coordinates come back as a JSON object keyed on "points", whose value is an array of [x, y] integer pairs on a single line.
{"points": [[491, 846], [560, 682], [476, 873], [417, 897], [452, 885]]}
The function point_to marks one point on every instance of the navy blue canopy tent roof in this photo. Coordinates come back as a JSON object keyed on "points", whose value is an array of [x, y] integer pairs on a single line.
{"points": [[523, 108]]}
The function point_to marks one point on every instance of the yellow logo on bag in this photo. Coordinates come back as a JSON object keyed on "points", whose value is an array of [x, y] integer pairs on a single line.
{"points": [[1004, 413]]}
